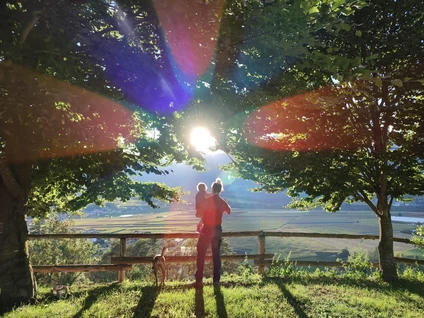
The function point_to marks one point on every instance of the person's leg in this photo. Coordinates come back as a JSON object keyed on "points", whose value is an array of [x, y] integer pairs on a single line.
{"points": [[202, 246], [216, 255]]}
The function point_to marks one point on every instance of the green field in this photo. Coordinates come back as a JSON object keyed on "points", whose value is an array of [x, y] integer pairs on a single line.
{"points": [[347, 222]]}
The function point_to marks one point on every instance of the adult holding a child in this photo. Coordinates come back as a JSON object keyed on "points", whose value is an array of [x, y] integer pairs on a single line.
{"points": [[211, 209]]}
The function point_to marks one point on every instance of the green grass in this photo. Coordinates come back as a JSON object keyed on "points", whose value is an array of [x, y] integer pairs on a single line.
{"points": [[299, 296], [412, 253]]}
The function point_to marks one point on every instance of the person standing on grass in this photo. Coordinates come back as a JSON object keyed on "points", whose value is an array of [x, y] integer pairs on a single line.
{"points": [[211, 209]]}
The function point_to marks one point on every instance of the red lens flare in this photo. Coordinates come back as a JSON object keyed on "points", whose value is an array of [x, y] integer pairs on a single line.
{"points": [[50, 118], [316, 120]]}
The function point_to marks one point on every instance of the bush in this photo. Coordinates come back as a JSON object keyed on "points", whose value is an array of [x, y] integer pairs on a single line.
{"points": [[358, 265], [418, 237], [245, 269], [282, 268], [413, 273], [59, 251]]}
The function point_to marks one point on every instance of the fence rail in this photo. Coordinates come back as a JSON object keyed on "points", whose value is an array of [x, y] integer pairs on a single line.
{"points": [[124, 263], [81, 268], [225, 234]]}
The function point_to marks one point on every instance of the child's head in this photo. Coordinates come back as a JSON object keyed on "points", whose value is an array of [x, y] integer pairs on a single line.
{"points": [[217, 186], [201, 186]]}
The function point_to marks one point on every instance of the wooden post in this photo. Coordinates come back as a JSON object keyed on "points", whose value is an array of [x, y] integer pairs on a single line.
{"points": [[122, 251], [261, 251]]}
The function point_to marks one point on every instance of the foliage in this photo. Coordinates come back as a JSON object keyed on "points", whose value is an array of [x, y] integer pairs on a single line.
{"points": [[89, 100], [330, 134], [337, 120], [418, 237], [59, 251], [413, 273], [284, 268], [245, 268], [78, 124], [358, 264]]}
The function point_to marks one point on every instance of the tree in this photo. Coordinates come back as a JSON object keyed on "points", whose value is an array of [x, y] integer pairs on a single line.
{"points": [[88, 100], [341, 117]]}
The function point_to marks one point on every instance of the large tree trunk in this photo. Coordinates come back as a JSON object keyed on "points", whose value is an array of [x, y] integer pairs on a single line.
{"points": [[16, 278], [385, 248]]}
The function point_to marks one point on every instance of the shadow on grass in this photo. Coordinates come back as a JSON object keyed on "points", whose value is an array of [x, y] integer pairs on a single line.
{"points": [[297, 305], [147, 301], [199, 303], [220, 304], [93, 296], [412, 287], [395, 288]]}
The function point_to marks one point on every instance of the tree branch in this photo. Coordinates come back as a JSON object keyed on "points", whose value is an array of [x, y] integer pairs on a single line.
{"points": [[231, 158], [391, 201], [36, 14], [363, 196], [9, 180]]}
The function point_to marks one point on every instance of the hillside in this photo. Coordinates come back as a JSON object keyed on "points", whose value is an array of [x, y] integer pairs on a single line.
{"points": [[237, 191], [298, 295]]}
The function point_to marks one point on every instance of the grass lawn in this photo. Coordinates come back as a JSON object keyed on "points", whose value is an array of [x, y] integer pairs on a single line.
{"points": [[301, 296]]}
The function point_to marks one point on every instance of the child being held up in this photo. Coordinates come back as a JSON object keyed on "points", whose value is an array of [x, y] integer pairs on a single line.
{"points": [[200, 196]]}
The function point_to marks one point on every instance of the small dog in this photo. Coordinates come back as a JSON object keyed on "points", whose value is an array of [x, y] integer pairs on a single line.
{"points": [[159, 263], [60, 291]]}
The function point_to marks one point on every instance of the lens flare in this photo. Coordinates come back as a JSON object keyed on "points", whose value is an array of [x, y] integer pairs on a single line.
{"points": [[191, 29], [308, 122], [57, 119]]}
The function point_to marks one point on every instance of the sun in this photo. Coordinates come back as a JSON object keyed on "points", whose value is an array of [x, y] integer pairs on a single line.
{"points": [[201, 138]]}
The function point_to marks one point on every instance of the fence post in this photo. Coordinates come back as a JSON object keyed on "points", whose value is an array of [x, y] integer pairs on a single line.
{"points": [[122, 251], [261, 250]]}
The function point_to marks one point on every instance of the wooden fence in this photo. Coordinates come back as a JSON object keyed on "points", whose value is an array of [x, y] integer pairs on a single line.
{"points": [[124, 263]]}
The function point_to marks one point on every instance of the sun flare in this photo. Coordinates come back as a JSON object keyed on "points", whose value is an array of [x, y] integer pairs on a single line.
{"points": [[201, 139]]}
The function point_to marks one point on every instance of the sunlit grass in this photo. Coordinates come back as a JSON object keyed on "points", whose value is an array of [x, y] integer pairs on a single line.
{"points": [[307, 295]]}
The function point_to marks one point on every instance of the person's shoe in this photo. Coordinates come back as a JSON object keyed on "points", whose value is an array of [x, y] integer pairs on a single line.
{"points": [[197, 285]]}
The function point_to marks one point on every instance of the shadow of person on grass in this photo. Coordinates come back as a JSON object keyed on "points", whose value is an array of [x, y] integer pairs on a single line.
{"points": [[220, 304], [147, 301], [297, 305], [199, 303], [93, 296]]}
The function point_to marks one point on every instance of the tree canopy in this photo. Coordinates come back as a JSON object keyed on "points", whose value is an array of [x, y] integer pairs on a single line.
{"points": [[86, 100], [341, 120], [90, 95]]}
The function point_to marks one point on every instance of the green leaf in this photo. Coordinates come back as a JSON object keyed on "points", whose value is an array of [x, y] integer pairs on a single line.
{"points": [[337, 4], [397, 82], [344, 26], [313, 10], [378, 81]]}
